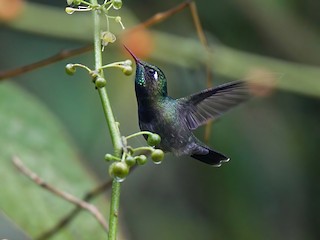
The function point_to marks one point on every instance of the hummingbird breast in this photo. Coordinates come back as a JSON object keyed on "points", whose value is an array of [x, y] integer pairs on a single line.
{"points": [[165, 117]]}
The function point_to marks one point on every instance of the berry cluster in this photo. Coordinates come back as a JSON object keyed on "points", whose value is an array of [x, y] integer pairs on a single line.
{"points": [[120, 168]]}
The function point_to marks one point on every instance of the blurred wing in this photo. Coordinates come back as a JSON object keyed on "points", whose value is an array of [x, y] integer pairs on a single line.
{"points": [[212, 103]]}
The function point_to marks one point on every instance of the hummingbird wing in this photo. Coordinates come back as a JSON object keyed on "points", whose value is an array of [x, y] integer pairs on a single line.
{"points": [[213, 102]]}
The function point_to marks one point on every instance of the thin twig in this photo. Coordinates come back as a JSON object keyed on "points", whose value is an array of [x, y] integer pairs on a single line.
{"points": [[204, 43], [67, 196], [55, 58], [157, 18], [70, 53], [64, 221], [161, 16]]}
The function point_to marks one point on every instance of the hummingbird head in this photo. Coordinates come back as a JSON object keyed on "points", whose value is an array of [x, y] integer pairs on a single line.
{"points": [[150, 81]]}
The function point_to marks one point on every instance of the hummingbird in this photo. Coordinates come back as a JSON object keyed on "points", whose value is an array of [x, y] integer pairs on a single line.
{"points": [[175, 119]]}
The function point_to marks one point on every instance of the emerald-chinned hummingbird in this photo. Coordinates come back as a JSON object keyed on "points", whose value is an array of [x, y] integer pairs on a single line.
{"points": [[174, 119]]}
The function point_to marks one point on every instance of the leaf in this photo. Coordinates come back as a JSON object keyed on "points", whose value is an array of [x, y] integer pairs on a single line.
{"points": [[30, 131]]}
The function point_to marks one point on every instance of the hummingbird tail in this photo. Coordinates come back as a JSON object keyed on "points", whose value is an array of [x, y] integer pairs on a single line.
{"points": [[211, 157]]}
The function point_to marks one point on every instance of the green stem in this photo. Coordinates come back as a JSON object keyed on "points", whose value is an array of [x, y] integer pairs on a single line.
{"points": [[113, 128], [143, 149], [138, 134], [81, 66], [114, 64]]}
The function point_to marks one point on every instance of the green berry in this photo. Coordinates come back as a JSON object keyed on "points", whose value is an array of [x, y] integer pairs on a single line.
{"points": [[70, 69], [142, 159], [153, 139], [119, 170], [157, 155], [127, 62], [69, 10], [127, 70], [117, 4], [130, 161], [118, 19], [108, 157], [100, 82], [75, 2]]}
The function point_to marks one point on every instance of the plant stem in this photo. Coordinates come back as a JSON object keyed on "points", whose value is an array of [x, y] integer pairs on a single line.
{"points": [[138, 134], [112, 125]]}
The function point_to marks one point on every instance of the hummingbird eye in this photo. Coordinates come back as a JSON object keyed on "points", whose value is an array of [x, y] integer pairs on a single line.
{"points": [[153, 73]]}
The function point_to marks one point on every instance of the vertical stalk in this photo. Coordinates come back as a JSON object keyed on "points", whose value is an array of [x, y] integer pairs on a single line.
{"points": [[112, 125]]}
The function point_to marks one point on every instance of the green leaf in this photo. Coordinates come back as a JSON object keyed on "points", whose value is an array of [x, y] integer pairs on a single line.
{"points": [[30, 131]]}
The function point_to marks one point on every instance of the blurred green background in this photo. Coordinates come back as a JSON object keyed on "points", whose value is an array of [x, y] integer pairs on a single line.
{"points": [[269, 189]]}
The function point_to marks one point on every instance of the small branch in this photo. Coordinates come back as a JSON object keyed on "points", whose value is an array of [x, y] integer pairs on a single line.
{"points": [[63, 222], [4, 75], [209, 60], [56, 58], [161, 16], [70, 198]]}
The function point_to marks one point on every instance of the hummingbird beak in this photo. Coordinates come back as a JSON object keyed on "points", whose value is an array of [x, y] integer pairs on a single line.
{"points": [[137, 60]]}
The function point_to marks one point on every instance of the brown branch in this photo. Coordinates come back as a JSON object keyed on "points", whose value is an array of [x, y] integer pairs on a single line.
{"points": [[70, 53], [4, 75], [161, 16], [63, 222], [157, 18], [56, 58], [204, 42], [70, 198]]}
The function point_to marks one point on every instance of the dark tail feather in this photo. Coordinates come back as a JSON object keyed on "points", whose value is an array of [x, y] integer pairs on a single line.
{"points": [[212, 157]]}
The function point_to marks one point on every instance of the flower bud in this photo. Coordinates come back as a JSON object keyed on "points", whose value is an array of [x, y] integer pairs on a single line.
{"points": [[69, 10], [117, 4], [130, 161], [119, 170], [108, 157], [127, 70], [107, 37], [127, 62], [70, 69], [100, 82], [118, 19], [153, 139], [157, 156], [142, 159]]}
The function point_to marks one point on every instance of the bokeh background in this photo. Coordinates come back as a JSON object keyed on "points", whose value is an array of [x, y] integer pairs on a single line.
{"points": [[269, 189]]}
